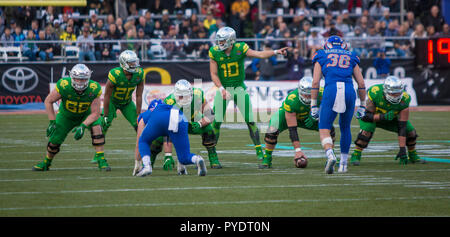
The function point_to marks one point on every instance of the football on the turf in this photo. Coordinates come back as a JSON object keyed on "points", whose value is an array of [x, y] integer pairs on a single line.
{"points": [[301, 162]]}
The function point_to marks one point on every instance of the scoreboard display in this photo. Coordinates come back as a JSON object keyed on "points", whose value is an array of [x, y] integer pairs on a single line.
{"points": [[433, 51]]}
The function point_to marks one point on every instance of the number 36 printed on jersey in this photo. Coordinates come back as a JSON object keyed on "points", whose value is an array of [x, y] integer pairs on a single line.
{"points": [[343, 61]]}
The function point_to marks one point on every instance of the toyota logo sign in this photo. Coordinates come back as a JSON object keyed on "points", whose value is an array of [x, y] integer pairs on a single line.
{"points": [[20, 79]]}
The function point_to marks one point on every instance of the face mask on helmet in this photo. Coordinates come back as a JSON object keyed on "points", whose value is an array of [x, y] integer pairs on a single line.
{"points": [[129, 61], [80, 75], [393, 90], [225, 38], [393, 98], [304, 90], [183, 92]]}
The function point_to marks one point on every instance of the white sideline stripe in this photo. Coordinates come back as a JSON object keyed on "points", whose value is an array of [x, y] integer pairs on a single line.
{"points": [[206, 188], [227, 203]]}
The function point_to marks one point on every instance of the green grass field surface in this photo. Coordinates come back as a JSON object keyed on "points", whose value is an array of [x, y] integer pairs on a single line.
{"points": [[75, 187]]}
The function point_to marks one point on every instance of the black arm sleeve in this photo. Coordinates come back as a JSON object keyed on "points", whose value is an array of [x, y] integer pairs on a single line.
{"points": [[402, 128], [368, 117], [293, 134]]}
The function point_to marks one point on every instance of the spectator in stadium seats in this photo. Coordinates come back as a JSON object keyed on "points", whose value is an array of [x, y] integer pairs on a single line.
{"points": [[2, 25], [165, 21], [386, 16], [185, 27], [203, 47], [86, 44], [341, 26], [103, 51], [411, 19], [13, 25], [130, 23], [333, 31], [363, 24], [306, 29], [445, 31], [205, 7], [264, 68], [357, 42], [240, 6], [63, 22], [28, 14], [173, 47], [143, 25], [318, 4], [370, 19], [109, 20], [297, 22], [68, 36], [402, 46], [132, 10], [156, 8], [259, 24], [119, 26], [178, 7], [373, 44], [295, 64], [35, 28], [87, 25], [407, 27], [434, 18], [144, 46], [179, 17], [392, 29], [382, 64], [218, 8], [75, 28], [431, 32], [419, 32], [30, 49], [49, 16], [99, 26], [302, 6], [393, 5], [353, 4], [191, 6], [131, 35], [18, 36], [157, 31], [209, 20], [57, 28], [45, 49], [7, 39], [315, 41], [50, 35], [335, 6], [377, 9]]}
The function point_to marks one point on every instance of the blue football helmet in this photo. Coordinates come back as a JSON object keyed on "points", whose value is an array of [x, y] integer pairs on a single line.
{"points": [[334, 42], [154, 103]]}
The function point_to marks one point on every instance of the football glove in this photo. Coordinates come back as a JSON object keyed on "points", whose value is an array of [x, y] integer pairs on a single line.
{"points": [[169, 164], [79, 131], [310, 121], [314, 112], [106, 123], [403, 156], [51, 128], [137, 166], [196, 127], [389, 116], [360, 112]]}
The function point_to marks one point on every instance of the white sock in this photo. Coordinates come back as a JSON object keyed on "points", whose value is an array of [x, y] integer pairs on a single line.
{"points": [[329, 153], [146, 161], [344, 158], [167, 154]]}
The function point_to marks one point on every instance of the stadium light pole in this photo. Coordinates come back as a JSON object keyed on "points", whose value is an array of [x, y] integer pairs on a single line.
{"points": [[402, 11]]}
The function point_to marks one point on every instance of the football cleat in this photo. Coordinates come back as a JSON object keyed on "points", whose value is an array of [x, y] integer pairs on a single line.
{"points": [[329, 167], [214, 162], [42, 166], [342, 168], [266, 163], [102, 164], [147, 170], [201, 166], [181, 169], [355, 159]]}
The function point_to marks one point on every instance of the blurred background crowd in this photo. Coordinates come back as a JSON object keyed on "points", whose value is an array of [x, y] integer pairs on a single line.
{"points": [[185, 29]]}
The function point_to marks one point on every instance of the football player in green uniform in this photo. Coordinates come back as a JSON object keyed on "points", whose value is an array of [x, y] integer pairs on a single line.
{"points": [[293, 113], [191, 101], [388, 108], [122, 81], [228, 74], [79, 109]]}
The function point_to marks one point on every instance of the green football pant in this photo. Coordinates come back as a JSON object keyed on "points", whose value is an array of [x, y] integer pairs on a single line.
{"points": [[240, 98], [128, 111], [386, 125], [278, 121], [64, 125]]}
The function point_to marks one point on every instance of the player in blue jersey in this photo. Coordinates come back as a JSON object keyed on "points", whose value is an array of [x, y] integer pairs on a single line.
{"points": [[337, 65], [164, 120]]}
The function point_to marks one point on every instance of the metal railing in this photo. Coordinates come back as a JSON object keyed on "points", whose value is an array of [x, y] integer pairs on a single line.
{"points": [[187, 49]]}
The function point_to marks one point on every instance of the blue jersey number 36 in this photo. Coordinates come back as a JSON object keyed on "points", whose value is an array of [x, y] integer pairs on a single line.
{"points": [[343, 61]]}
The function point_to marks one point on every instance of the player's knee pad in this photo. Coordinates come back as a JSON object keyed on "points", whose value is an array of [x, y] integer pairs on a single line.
{"points": [[363, 139], [411, 138], [53, 148], [209, 139], [272, 137], [98, 140]]}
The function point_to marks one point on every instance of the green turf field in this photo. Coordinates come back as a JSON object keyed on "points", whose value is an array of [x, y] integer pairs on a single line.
{"points": [[74, 186]]}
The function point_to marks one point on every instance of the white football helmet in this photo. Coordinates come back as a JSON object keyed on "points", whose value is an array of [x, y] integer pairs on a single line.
{"points": [[304, 89], [393, 89], [183, 92], [225, 38], [80, 75], [129, 61]]}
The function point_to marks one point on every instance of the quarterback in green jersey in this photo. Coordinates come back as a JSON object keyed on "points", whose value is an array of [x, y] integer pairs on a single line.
{"points": [[228, 74], [79, 109], [122, 81], [388, 108], [294, 112]]}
